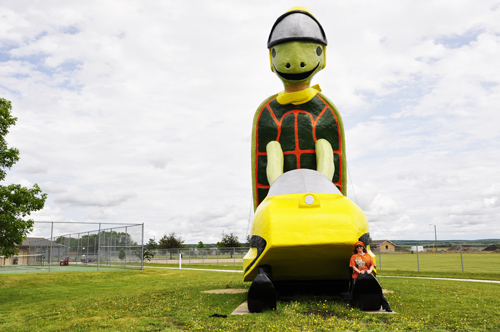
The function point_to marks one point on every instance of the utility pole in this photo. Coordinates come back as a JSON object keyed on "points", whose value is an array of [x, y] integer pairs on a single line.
{"points": [[435, 238]]}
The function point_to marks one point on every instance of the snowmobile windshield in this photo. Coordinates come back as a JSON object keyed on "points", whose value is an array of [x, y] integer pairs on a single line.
{"points": [[302, 181]]}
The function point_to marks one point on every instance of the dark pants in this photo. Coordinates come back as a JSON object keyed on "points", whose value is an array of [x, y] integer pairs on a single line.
{"points": [[385, 304]]}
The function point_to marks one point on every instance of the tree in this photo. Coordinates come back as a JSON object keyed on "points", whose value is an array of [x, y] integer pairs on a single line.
{"points": [[90, 243], [228, 240], [170, 241], [152, 245], [149, 250], [148, 255], [121, 254], [16, 202], [200, 245], [247, 244]]}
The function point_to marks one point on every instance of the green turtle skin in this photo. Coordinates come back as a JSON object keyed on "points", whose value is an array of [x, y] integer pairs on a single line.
{"points": [[297, 50], [296, 128]]}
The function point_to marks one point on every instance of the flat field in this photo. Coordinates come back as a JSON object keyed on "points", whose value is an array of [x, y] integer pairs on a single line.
{"points": [[172, 300], [480, 265], [449, 262]]}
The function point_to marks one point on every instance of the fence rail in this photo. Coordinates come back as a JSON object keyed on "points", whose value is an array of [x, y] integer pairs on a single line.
{"points": [[215, 256], [458, 259]]}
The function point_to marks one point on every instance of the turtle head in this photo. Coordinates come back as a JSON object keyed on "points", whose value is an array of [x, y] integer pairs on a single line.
{"points": [[296, 62], [297, 47]]}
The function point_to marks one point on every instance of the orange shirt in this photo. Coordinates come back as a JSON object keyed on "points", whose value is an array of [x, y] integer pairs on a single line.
{"points": [[361, 262]]}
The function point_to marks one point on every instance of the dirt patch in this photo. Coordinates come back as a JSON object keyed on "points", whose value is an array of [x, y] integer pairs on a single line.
{"points": [[226, 291], [493, 247], [387, 291]]}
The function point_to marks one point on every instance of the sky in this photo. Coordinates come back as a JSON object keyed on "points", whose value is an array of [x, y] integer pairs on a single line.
{"points": [[141, 112]]}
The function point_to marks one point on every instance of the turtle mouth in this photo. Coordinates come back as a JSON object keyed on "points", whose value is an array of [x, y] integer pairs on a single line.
{"points": [[296, 77]]}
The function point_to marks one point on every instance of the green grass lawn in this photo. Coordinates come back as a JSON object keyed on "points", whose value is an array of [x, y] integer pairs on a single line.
{"points": [[171, 300], [473, 262]]}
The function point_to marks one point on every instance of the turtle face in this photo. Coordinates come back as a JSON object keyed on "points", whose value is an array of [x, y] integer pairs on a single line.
{"points": [[296, 62]]}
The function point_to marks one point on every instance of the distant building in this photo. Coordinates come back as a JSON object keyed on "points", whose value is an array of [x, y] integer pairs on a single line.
{"points": [[383, 246], [29, 247]]}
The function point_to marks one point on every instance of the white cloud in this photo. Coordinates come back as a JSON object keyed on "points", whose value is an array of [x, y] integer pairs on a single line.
{"points": [[100, 198], [142, 112]]}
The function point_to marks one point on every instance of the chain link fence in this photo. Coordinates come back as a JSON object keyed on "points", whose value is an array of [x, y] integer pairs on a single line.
{"points": [[113, 247], [209, 257], [420, 257], [425, 257]]}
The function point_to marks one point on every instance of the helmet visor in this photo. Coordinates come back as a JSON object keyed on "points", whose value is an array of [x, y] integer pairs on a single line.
{"points": [[296, 25]]}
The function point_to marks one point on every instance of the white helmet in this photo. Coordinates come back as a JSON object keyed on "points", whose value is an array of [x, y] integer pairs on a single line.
{"points": [[296, 25]]}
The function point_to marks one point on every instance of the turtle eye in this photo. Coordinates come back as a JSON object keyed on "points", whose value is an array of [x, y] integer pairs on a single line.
{"points": [[273, 52], [319, 50]]}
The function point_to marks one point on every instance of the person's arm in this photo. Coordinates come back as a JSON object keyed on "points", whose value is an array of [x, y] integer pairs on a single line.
{"points": [[372, 266], [353, 265]]}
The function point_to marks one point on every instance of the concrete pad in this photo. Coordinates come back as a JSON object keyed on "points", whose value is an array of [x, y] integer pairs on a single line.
{"points": [[226, 291], [380, 311], [242, 309]]}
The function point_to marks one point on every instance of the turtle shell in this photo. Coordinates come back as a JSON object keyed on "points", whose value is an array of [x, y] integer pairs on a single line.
{"points": [[296, 128]]}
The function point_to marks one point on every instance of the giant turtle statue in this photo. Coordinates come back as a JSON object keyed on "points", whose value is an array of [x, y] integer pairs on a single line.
{"points": [[304, 226]]}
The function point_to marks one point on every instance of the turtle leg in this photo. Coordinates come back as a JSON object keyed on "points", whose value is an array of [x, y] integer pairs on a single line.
{"points": [[262, 295]]}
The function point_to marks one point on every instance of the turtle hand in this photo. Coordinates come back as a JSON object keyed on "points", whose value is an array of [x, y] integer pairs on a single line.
{"points": [[275, 161], [324, 158]]}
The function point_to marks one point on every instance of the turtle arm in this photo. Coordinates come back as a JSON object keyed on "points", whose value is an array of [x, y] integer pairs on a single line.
{"points": [[343, 163], [275, 161], [324, 158]]}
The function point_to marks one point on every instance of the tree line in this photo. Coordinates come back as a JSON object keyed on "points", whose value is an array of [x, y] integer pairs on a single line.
{"points": [[173, 241], [91, 242]]}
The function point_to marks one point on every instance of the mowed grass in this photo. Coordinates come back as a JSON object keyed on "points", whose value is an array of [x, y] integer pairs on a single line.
{"points": [[172, 300]]}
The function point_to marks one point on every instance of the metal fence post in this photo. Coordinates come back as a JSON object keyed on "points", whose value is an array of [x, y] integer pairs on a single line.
{"points": [[109, 245], [380, 256], [50, 252], [99, 247], [126, 247], [461, 258], [77, 249], [418, 262], [69, 250], [142, 248], [217, 249], [88, 244]]}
